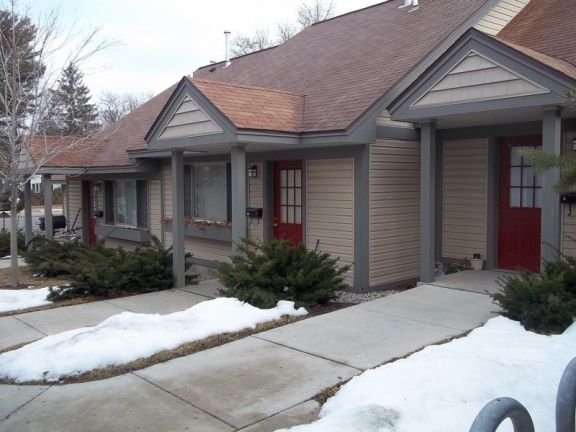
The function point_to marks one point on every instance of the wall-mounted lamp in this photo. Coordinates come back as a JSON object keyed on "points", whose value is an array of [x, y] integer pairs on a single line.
{"points": [[253, 171]]}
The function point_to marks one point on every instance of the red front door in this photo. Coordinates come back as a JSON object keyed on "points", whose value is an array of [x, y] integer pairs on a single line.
{"points": [[287, 215], [519, 207]]}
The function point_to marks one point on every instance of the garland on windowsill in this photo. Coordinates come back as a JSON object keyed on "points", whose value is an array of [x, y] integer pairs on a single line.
{"points": [[199, 223]]}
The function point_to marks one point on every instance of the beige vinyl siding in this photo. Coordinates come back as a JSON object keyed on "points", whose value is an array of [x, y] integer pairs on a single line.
{"points": [[154, 221], [394, 211], [74, 204], [500, 15], [568, 245], [330, 208], [256, 199], [465, 198], [477, 78], [384, 120], [207, 249]]}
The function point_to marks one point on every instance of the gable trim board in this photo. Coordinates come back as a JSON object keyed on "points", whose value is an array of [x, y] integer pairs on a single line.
{"points": [[476, 78], [544, 86]]}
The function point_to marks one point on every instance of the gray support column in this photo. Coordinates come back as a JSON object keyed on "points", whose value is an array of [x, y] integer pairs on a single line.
{"points": [[552, 144], [427, 201], [178, 260], [47, 189], [238, 158], [28, 234], [362, 220]]}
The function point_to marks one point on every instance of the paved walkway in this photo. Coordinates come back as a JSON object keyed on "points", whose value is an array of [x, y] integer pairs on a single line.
{"points": [[255, 384]]}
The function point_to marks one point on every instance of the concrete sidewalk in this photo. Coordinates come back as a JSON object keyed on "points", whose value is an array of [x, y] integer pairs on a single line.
{"points": [[27, 327], [255, 384]]}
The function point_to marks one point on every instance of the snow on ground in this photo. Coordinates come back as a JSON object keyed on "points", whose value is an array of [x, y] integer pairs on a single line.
{"points": [[129, 336], [22, 298], [443, 387]]}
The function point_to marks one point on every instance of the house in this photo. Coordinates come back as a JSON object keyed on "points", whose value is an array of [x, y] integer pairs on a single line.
{"points": [[389, 137]]}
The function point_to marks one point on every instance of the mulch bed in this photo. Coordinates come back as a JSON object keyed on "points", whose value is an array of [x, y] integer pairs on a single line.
{"points": [[27, 279]]}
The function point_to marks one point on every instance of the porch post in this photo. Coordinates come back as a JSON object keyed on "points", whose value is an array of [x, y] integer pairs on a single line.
{"points": [[178, 258], [427, 201], [238, 158], [47, 189], [550, 225], [28, 234]]}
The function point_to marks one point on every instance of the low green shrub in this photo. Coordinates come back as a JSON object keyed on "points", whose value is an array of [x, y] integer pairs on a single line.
{"points": [[95, 270], [5, 242], [51, 258], [263, 274], [544, 303]]}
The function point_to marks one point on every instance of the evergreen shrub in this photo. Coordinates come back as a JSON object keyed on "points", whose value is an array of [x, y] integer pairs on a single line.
{"points": [[544, 303], [95, 270], [262, 274], [5, 242]]}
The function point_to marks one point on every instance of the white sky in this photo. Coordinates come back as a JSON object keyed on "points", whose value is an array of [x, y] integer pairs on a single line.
{"points": [[162, 40]]}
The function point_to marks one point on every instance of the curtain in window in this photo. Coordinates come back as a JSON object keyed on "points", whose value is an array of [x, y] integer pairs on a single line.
{"points": [[210, 200], [126, 203]]}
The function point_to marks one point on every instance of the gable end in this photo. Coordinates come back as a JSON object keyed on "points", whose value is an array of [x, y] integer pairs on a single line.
{"points": [[477, 78], [189, 120]]}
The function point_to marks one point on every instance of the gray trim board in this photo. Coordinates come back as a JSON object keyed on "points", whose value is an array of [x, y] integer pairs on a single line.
{"points": [[492, 207], [137, 235], [397, 133], [551, 216], [206, 232], [362, 220], [268, 209], [28, 233]]}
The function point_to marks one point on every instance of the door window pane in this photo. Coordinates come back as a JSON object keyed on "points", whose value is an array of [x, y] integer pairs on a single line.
{"points": [[210, 201], [515, 157], [527, 197], [515, 176], [515, 197]]}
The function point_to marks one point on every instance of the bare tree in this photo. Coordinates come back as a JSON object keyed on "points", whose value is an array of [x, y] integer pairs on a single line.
{"points": [[28, 71], [242, 44], [315, 12], [308, 14], [285, 31], [113, 106]]}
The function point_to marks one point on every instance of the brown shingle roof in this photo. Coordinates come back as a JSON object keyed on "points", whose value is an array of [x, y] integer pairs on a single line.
{"points": [[250, 107], [545, 26], [345, 64], [62, 152]]}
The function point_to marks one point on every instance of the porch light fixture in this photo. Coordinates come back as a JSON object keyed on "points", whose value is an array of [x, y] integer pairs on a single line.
{"points": [[253, 171]]}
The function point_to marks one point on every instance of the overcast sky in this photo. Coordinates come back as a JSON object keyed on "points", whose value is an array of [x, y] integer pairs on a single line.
{"points": [[162, 40]]}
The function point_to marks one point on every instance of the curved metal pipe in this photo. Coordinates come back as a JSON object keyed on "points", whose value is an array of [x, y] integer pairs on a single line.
{"points": [[495, 412], [566, 399]]}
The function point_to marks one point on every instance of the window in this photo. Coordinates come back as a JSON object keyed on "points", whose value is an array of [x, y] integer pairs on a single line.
{"points": [[126, 202], [291, 196], [525, 187], [206, 193]]}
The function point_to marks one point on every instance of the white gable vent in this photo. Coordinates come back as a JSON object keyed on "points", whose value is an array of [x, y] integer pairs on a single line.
{"points": [[411, 4]]}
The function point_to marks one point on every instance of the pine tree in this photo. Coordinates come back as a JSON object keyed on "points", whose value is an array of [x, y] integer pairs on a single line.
{"points": [[71, 112]]}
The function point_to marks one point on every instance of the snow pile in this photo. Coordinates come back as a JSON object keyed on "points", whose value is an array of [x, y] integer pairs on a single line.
{"points": [[442, 388], [21, 299], [129, 336]]}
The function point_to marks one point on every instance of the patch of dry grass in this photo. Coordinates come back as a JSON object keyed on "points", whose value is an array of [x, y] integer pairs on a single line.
{"points": [[27, 279], [163, 356]]}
